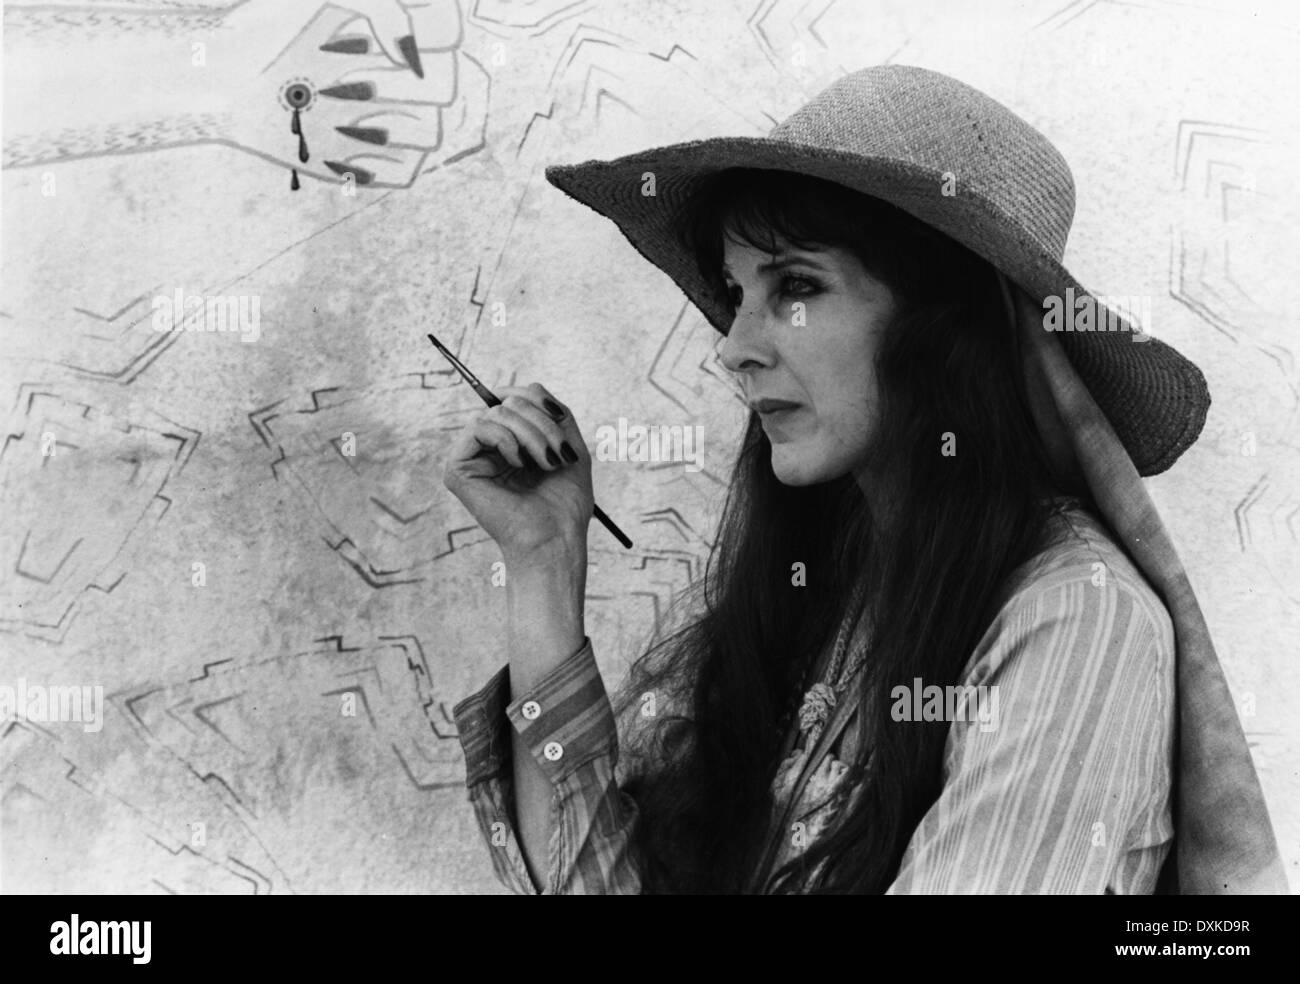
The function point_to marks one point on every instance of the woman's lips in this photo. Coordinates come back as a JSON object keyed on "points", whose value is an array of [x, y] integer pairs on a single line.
{"points": [[775, 421], [769, 405]]}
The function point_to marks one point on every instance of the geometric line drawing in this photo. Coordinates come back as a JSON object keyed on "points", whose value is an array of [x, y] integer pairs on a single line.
{"points": [[1214, 168], [232, 724], [47, 798], [366, 464], [57, 546]]}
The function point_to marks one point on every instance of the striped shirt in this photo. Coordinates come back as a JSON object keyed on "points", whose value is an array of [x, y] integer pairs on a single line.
{"points": [[1069, 792]]}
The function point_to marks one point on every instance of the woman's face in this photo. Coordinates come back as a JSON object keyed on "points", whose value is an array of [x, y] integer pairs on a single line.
{"points": [[807, 327]]}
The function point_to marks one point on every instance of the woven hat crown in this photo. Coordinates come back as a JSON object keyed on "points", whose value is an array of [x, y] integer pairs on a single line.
{"points": [[923, 119]]}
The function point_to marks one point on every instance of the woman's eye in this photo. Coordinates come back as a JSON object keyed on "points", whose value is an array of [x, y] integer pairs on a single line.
{"points": [[797, 285], [792, 285]]}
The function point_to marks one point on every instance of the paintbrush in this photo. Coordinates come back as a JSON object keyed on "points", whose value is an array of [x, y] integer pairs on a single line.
{"points": [[491, 400]]}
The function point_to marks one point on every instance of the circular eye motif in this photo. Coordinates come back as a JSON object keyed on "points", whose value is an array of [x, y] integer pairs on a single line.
{"points": [[297, 95]]}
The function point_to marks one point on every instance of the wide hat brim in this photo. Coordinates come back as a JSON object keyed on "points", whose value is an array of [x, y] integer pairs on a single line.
{"points": [[1155, 399]]}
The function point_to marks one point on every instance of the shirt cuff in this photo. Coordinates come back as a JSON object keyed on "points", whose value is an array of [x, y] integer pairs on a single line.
{"points": [[484, 731], [566, 720]]}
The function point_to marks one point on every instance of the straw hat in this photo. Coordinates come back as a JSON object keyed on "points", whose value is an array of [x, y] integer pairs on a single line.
{"points": [[903, 134]]}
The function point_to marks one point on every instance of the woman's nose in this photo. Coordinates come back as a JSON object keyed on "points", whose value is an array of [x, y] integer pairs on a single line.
{"points": [[748, 344]]}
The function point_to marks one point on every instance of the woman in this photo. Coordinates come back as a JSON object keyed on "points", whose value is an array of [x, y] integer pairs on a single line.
{"points": [[924, 507]]}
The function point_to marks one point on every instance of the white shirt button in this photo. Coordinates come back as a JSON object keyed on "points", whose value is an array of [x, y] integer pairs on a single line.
{"points": [[532, 710], [553, 751]]}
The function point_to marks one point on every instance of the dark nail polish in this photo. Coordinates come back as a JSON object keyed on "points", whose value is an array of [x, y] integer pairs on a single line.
{"points": [[568, 452], [359, 174], [551, 457], [366, 134], [411, 53], [527, 458], [347, 46], [350, 90], [553, 408]]}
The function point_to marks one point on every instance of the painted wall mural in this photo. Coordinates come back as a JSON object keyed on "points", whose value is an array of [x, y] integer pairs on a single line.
{"points": [[227, 229]]}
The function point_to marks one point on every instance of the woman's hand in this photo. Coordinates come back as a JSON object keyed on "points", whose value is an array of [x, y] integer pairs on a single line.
{"points": [[528, 500]]}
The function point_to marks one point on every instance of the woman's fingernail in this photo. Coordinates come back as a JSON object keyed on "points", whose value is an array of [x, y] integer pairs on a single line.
{"points": [[411, 53], [568, 452], [366, 134], [553, 408], [551, 457], [527, 458], [350, 90], [359, 174], [347, 46]]}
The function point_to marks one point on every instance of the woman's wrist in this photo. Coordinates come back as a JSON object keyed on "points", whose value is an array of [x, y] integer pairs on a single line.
{"points": [[545, 605], [565, 552]]}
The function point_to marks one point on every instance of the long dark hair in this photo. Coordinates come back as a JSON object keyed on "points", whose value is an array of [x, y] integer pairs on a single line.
{"points": [[727, 680]]}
